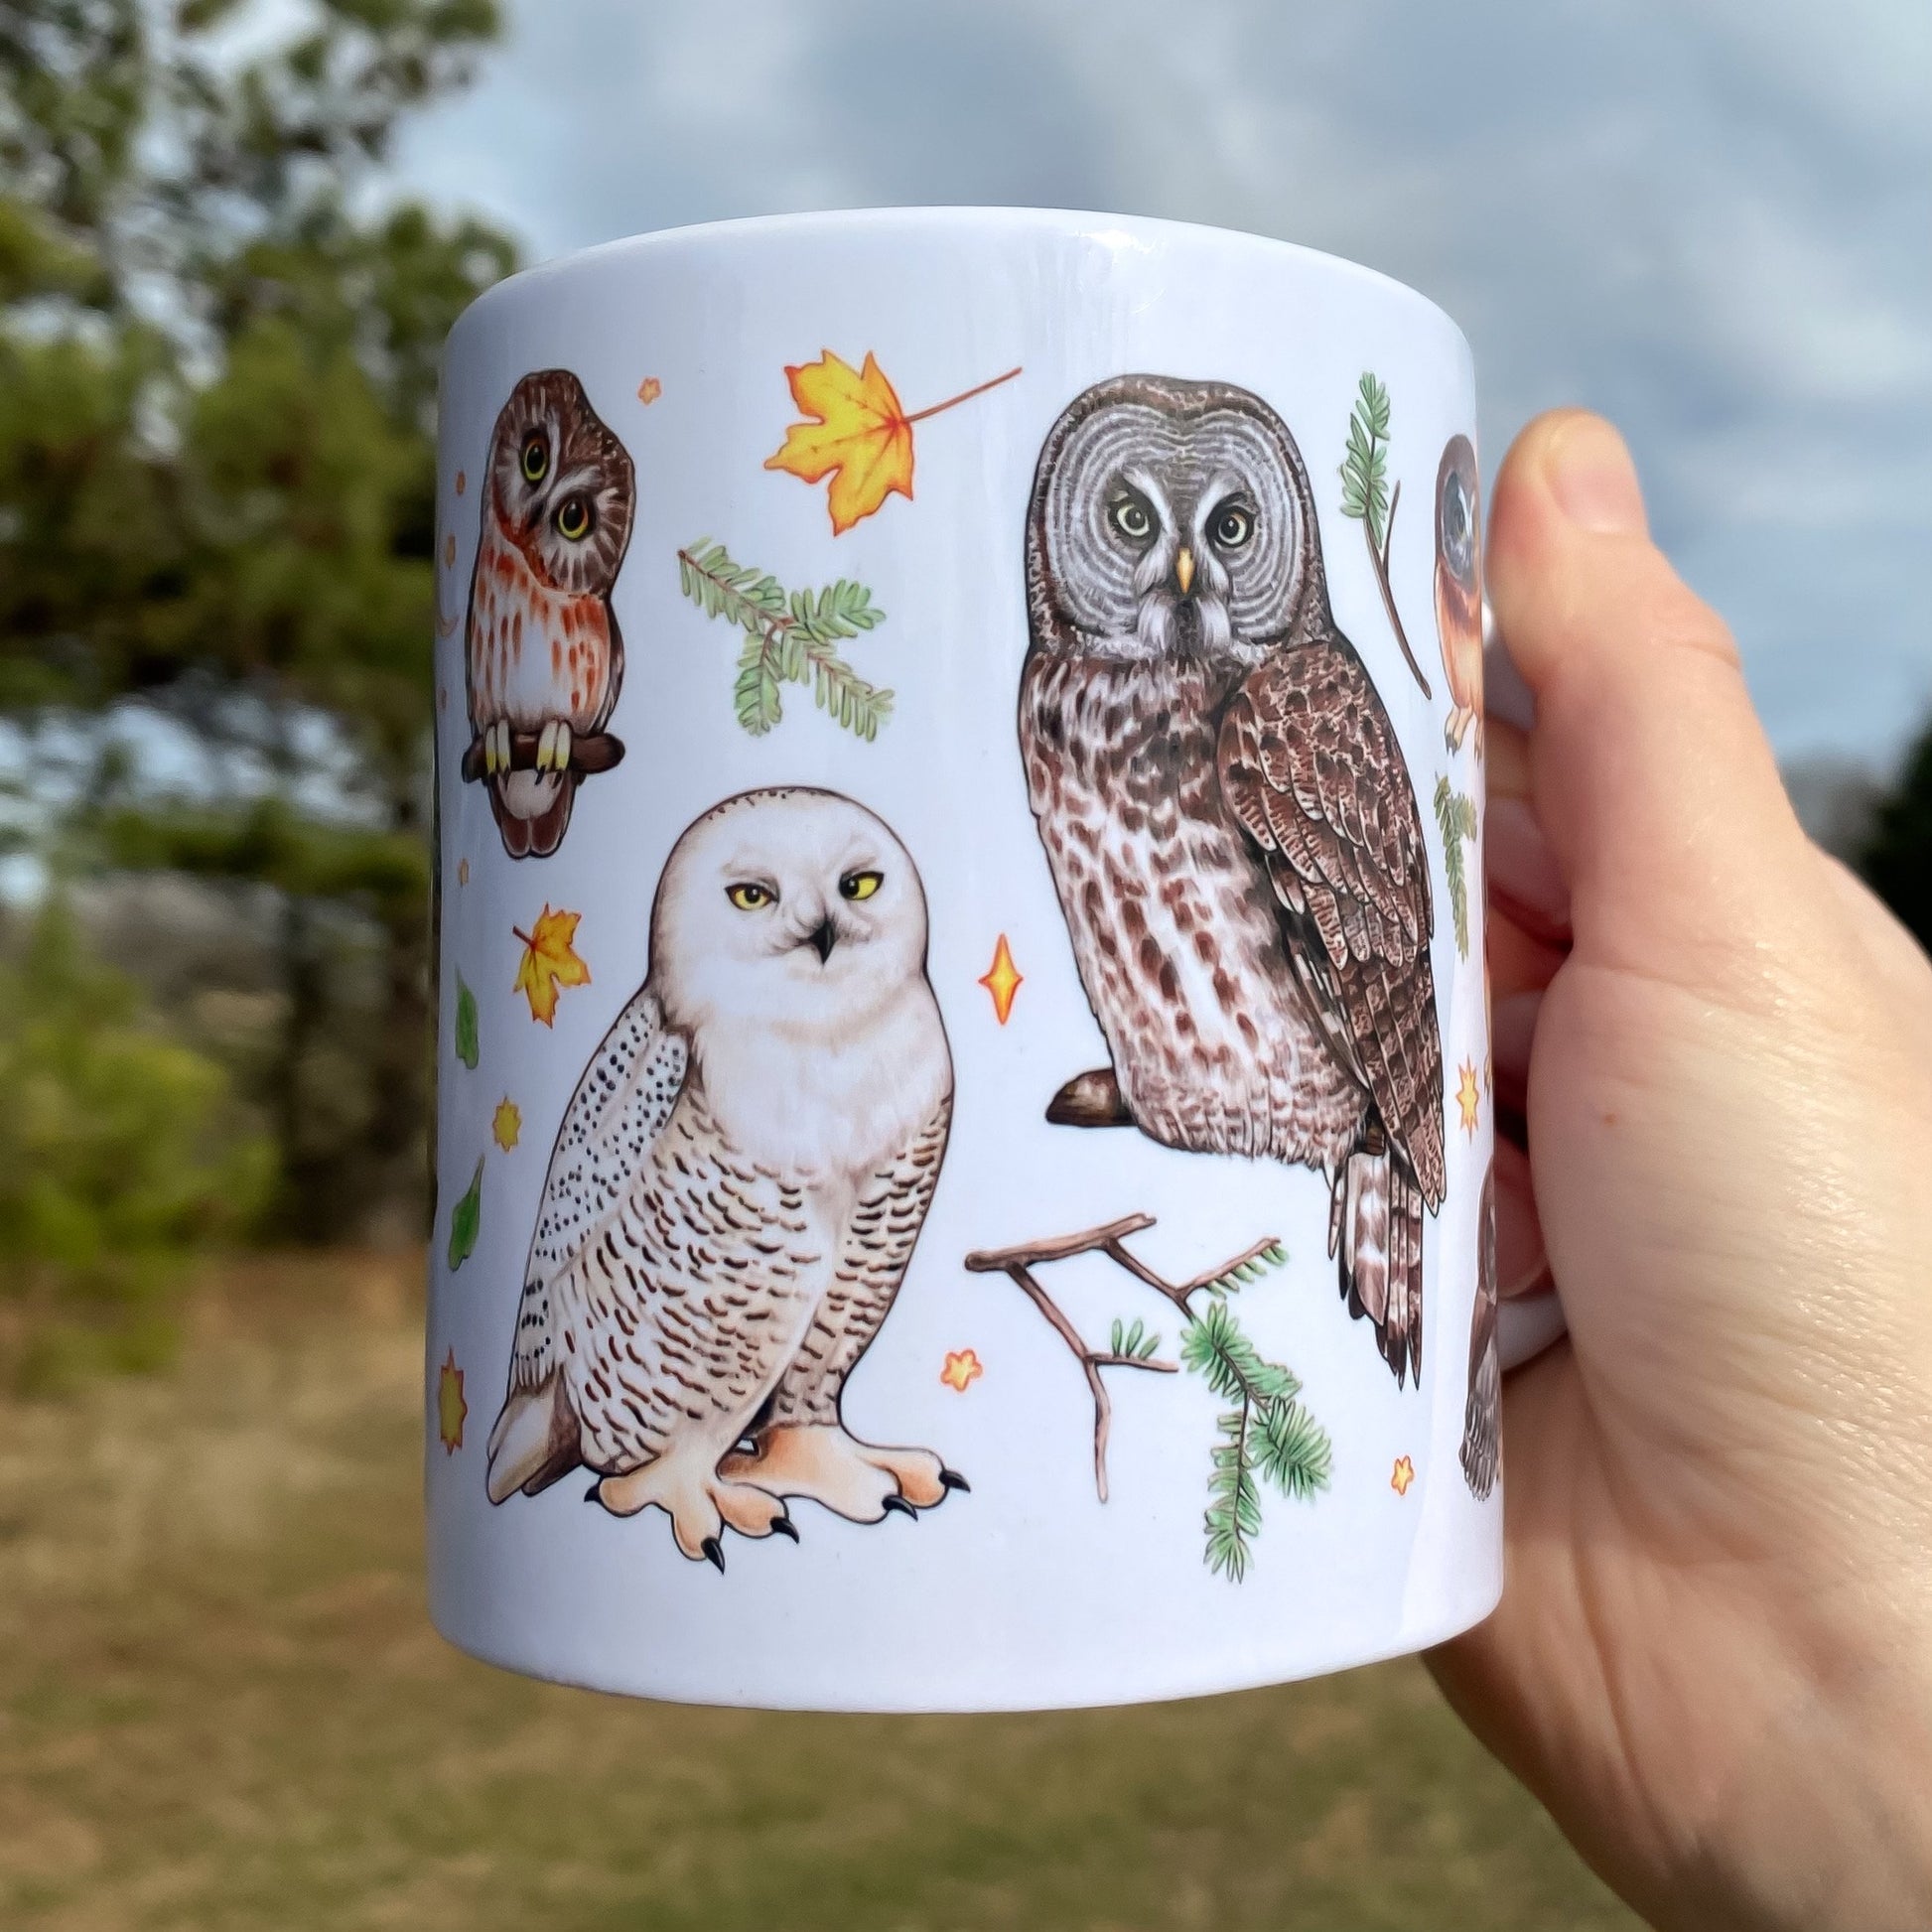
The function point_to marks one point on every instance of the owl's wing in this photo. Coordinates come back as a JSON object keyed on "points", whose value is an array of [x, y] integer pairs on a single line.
{"points": [[626, 1094], [1311, 768], [615, 682]]}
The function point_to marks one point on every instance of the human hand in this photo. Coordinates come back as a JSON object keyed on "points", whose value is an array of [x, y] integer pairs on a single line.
{"points": [[1713, 1660]]}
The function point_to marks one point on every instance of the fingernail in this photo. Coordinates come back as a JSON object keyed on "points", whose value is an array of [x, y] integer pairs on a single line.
{"points": [[1592, 478], [1512, 1030], [1522, 872]]}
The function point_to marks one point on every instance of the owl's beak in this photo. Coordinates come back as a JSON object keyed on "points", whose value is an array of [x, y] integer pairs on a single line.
{"points": [[822, 938], [1184, 570]]}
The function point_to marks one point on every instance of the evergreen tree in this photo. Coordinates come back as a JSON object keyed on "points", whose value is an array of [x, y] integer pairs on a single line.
{"points": [[1897, 859]]}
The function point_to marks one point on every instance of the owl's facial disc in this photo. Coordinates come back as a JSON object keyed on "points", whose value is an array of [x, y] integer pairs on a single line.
{"points": [[787, 907]]}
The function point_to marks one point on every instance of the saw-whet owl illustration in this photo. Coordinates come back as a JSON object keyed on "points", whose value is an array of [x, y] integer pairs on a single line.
{"points": [[736, 1188], [1230, 822], [1482, 1413], [1459, 588], [543, 656]]}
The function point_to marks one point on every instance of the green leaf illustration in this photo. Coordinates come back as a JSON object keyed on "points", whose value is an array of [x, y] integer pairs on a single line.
{"points": [[467, 1047], [1267, 1434], [790, 637], [1366, 466], [466, 1221], [1455, 816]]}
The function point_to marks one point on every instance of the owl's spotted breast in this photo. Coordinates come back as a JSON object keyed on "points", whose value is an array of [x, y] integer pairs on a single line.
{"points": [[536, 652], [1173, 920]]}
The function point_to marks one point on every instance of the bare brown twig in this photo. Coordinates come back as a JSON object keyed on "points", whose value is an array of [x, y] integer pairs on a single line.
{"points": [[1108, 1239]]}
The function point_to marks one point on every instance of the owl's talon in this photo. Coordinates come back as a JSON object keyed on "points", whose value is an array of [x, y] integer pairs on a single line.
{"points": [[899, 1503], [560, 746], [952, 1480], [714, 1552], [594, 1494], [784, 1526]]}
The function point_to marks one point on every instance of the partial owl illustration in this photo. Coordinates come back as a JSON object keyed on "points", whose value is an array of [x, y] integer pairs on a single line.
{"points": [[1482, 1416], [1230, 822], [543, 656], [1459, 588], [736, 1188]]}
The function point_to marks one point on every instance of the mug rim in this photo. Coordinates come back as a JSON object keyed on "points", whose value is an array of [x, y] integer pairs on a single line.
{"points": [[840, 222]]}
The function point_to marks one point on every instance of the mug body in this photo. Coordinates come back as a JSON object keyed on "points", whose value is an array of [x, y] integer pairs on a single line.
{"points": [[963, 1127]]}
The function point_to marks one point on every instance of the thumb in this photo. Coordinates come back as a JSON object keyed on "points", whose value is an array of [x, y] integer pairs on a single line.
{"points": [[1651, 776]]}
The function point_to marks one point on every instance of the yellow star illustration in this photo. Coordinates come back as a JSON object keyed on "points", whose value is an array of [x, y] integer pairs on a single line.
{"points": [[962, 1365], [451, 1408], [1002, 980], [506, 1124], [1402, 1474], [1469, 1095]]}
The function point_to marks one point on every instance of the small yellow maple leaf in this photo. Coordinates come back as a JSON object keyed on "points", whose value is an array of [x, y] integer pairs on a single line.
{"points": [[1402, 1475], [857, 432], [549, 962], [1469, 1095], [452, 1411], [962, 1365], [506, 1124]]}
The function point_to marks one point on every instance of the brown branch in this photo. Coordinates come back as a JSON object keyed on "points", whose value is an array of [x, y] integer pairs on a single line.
{"points": [[1380, 560], [1108, 1239], [594, 752]]}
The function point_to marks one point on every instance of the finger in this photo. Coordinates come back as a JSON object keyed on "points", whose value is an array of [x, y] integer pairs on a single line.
{"points": [[1522, 1264], [1652, 777], [1526, 885]]}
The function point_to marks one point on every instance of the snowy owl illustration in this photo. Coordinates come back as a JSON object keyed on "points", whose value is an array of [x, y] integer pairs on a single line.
{"points": [[737, 1188], [543, 655]]}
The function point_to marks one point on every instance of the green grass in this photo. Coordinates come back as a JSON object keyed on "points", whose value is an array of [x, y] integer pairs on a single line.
{"points": [[221, 1706]]}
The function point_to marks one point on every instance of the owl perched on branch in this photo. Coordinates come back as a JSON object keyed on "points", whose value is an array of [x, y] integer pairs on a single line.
{"points": [[737, 1188], [543, 655], [1230, 823]]}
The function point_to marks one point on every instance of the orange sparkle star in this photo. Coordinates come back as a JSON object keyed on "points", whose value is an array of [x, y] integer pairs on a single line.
{"points": [[506, 1124], [448, 550], [1468, 1096], [962, 1366], [649, 390], [463, 872], [461, 482], [1003, 979], [451, 1408], [1402, 1475]]}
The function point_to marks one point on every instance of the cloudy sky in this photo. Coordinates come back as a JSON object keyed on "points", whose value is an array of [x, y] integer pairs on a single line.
{"points": [[1708, 218]]}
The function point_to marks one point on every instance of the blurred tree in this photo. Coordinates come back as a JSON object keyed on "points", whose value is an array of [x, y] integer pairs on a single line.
{"points": [[1897, 858], [119, 1157], [218, 483]]}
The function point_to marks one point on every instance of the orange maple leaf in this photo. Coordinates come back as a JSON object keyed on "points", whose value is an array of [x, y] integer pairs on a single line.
{"points": [[549, 961], [857, 432]]}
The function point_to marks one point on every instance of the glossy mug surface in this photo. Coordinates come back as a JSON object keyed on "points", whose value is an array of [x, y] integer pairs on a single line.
{"points": [[963, 1138]]}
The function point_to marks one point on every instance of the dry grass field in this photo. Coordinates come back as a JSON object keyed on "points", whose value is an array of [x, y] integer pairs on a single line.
{"points": [[221, 1706]]}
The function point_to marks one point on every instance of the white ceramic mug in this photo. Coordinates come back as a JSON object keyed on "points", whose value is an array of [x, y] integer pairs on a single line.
{"points": [[964, 1128]]}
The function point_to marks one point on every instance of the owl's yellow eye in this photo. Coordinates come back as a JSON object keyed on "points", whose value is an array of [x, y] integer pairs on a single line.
{"points": [[536, 458], [861, 884], [574, 519], [747, 895], [1234, 524], [1132, 517]]}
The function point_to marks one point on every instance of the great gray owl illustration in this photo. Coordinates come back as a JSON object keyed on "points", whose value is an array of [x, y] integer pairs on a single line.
{"points": [[1459, 588], [737, 1188], [1230, 822], [1483, 1414], [543, 656]]}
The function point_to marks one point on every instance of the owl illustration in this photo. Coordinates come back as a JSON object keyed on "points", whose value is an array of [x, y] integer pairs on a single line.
{"points": [[737, 1188], [543, 656], [1459, 588], [1482, 1416], [1230, 822]]}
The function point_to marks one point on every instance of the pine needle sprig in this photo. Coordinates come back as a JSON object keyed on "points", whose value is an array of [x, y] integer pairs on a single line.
{"points": [[790, 637], [1455, 817], [1366, 496]]}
